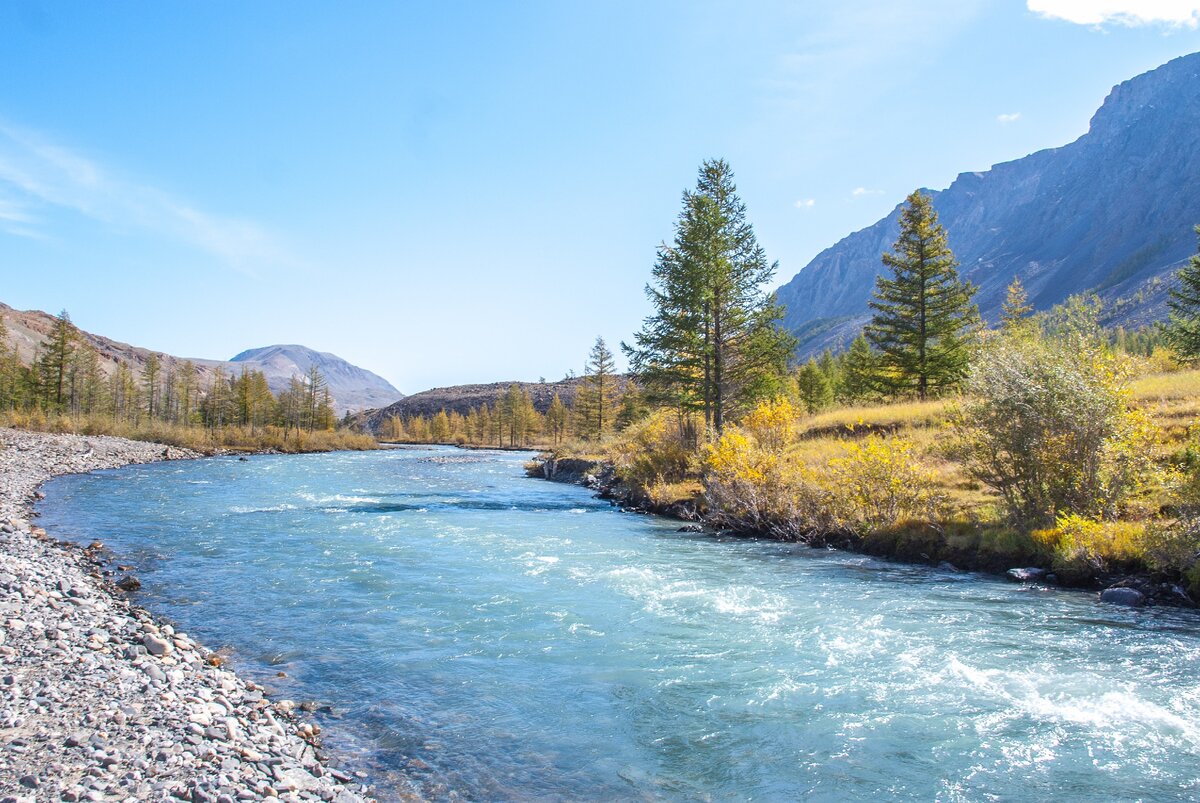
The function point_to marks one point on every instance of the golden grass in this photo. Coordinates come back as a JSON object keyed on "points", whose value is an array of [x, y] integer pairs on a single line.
{"points": [[197, 438]]}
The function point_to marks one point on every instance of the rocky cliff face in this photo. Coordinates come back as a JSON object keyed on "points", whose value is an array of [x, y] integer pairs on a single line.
{"points": [[1111, 213]]}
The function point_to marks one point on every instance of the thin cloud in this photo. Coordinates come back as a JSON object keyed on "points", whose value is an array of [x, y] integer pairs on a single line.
{"points": [[805, 203], [37, 175], [1130, 13], [1005, 119], [862, 192]]}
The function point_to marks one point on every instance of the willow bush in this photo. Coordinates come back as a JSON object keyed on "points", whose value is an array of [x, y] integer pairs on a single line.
{"points": [[1049, 426]]}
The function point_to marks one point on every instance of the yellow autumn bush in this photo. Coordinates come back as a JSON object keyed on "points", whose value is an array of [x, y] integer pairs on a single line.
{"points": [[879, 481], [1082, 547], [749, 488]]}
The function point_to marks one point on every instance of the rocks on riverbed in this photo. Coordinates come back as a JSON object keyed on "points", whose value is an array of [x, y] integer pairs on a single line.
{"points": [[1119, 595], [1029, 575], [100, 701]]}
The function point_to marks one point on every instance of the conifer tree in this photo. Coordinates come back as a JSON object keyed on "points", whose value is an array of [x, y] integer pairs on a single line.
{"points": [[557, 416], [858, 370], [924, 313], [712, 344], [56, 361], [150, 372], [1015, 310], [1183, 331], [595, 397], [813, 388]]}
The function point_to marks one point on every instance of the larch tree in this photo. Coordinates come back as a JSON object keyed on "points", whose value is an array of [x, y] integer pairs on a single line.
{"points": [[596, 395], [1183, 330], [712, 344], [924, 314], [1016, 309], [858, 369], [55, 361]]}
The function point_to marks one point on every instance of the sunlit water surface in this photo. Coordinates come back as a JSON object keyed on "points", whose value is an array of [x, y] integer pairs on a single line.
{"points": [[508, 638]]}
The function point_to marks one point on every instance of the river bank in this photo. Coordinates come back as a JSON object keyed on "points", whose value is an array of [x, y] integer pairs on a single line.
{"points": [[99, 700], [907, 544]]}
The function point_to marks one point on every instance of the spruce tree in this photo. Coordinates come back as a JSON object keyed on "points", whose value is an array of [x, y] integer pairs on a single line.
{"points": [[924, 313], [813, 388], [1183, 330], [858, 371], [713, 344]]}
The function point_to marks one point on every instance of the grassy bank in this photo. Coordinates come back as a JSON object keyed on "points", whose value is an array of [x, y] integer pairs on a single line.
{"points": [[891, 480]]}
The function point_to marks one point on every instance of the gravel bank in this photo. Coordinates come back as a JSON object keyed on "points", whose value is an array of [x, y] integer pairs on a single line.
{"points": [[100, 701]]}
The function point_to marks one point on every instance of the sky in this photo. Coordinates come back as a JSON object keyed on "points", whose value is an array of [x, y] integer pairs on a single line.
{"points": [[453, 192]]}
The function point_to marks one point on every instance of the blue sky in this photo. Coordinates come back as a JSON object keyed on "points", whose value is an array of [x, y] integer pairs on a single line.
{"points": [[449, 192]]}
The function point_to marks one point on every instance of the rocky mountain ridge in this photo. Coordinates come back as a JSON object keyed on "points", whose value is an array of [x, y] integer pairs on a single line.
{"points": [[1111, 213]]}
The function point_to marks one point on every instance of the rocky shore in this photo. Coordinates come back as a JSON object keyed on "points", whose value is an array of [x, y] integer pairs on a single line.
{"points": [[101, 701]]}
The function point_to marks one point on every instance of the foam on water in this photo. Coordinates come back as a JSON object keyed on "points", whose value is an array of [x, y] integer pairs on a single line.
{"points": [[516, 639]]}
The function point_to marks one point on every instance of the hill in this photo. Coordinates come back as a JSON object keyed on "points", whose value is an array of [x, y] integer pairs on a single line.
{"points": [[462, 398], [1111, 213], [354, 388]]}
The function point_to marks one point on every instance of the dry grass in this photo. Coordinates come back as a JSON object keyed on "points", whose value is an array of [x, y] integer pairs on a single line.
{"points": [[197, 438]]}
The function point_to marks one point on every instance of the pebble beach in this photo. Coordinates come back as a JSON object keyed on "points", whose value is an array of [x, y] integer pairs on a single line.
{"points": [[102, 701]]}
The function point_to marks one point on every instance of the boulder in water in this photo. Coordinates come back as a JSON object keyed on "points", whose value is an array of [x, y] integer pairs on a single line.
{"points": [[1029, 575], [1123, 596], [129, 583]]}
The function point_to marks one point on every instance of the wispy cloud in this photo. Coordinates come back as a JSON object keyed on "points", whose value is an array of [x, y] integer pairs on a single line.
{"points": [[38, 176], [862, 192], [1005, 119], [805, 203], [1173, 13]]}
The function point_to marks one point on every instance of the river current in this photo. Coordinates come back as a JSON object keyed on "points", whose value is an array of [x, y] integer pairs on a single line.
{"points": [[479, 632]]}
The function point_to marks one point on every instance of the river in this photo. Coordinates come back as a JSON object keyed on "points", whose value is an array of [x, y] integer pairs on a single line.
{"points": [[497, 637]]}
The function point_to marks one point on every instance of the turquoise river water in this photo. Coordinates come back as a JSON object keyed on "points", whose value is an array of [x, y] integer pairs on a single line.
{"points": [[497, 637]]}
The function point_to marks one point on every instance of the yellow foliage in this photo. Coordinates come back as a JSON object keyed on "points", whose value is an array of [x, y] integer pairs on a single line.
{"points": [[1082, 546], [879, 481], [772, 423]]}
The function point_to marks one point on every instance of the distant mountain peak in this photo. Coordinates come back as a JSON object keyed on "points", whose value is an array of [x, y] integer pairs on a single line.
{"points": [[354, 389], [1111, 213]]}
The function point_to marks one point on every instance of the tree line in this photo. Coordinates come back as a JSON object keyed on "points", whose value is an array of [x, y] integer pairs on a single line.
{"points": [[65, 377]]}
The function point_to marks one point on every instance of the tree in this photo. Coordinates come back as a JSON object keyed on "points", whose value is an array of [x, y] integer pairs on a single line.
{"points": [[150, 373], [712, 344], [56, 361], [439, 427], [924, 313], [858, 370], [813, 387], [557, 417], [1183, 331], [1015, 310], [595, 398]]}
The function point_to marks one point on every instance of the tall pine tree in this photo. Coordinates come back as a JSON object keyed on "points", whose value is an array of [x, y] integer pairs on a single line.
{"points": [[924, 313], [712, 344]]}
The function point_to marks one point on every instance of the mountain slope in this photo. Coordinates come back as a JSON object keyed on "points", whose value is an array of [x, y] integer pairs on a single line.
{"points": [[1112, 212]]}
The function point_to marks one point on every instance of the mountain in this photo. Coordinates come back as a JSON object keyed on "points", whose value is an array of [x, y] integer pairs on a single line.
{"points": [[353, 389], [1111, 213]]}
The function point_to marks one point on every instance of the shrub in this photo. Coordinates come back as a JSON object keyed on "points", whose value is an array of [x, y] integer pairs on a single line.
{"points": [[1050, 428], [878, 482], [773, 423], [751, 489], [654, 451], [1082, 547]]}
